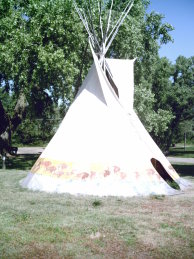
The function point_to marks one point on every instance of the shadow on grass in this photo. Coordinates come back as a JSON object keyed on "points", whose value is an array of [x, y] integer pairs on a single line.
{"points": [[20, 162], [184, 170], [180, 152]]}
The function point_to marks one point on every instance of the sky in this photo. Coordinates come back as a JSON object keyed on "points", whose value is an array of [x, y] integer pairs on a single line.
{"points": [[180, 14]]}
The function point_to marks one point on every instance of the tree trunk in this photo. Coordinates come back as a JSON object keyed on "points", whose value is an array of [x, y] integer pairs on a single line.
{"points": [[20, 112], [4, 120]]}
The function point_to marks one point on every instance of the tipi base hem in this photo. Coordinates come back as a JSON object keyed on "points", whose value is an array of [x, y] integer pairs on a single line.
{"points": [[37, 182]]}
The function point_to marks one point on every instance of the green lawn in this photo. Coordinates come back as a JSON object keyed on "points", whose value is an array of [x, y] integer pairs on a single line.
{"points": [[42, 225], [20, 162], [178, 151]]}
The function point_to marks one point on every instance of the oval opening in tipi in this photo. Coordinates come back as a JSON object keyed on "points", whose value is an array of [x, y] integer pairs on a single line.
{"points": [[164, 174]]}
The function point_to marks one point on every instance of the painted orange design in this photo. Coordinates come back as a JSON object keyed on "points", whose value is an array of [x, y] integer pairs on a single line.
{"points": [[116, 169], [107, 173], [70, 170], [150, 172], [46, 163], [51, 169], [92, 174], [59, 173], [83, 176], [122, 175]]}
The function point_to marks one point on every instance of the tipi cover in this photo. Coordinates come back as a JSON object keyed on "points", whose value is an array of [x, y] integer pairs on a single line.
{"points": [[101, 147]]}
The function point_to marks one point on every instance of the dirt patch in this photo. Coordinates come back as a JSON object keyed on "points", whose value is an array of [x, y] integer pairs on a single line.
{"points": [[42, 251]]}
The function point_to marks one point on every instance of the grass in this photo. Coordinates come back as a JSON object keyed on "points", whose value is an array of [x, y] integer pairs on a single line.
{"points": [[42, 225], [20, 162], [179, 151]]}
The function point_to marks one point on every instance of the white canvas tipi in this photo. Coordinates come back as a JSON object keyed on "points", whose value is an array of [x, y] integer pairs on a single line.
{"points": [[101, 147]]}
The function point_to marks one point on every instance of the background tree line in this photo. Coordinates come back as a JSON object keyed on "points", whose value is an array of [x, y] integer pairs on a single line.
{"points": [[44, 56]]}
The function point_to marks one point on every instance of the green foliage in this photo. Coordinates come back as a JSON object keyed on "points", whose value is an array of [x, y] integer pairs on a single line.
{"points": [[41, 44], [39, 51], [7, 100], [179, 96], [165, 102], [33, 132], [45, 55], [156, 122], [186, 127]]}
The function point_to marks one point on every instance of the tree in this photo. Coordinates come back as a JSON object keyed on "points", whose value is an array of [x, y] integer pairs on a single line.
{"points": [[156, 122], [40, 57], [180, 98], [45, 54], [172, 86]]}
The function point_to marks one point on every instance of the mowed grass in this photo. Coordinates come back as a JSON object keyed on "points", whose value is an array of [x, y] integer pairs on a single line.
{"points": [[179, 151], [42, 225]]}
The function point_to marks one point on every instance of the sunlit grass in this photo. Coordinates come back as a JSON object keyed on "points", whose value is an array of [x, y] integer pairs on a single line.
{"points": [[42, 225]]}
